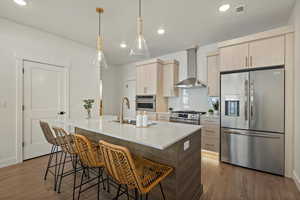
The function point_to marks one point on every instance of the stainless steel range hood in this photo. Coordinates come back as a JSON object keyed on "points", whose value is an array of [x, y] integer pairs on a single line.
{"points": [[191, 81]]}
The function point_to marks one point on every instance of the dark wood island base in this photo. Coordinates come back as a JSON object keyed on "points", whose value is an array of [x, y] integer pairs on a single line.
{"points": [[185, 182]]}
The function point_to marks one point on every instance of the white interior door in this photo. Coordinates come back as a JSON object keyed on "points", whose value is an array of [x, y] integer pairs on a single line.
{"points": [[44, 97], [129, 90]]}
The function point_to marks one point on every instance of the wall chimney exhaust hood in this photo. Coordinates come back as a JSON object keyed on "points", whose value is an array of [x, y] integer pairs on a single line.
{"points": [[191, 81]]}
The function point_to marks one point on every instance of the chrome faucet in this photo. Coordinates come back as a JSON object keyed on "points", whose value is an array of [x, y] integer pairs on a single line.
{"points": [[124, 99]]}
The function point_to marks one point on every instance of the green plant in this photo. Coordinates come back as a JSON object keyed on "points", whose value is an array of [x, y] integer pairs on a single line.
{"points": [[210, 110], [215, 105], [88, 105]]}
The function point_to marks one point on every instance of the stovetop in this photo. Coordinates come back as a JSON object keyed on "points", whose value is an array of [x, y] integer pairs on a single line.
{"points": [[189, 112], [186, 116]]}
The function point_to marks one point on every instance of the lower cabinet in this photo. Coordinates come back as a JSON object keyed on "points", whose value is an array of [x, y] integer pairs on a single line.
{"points": [[210, 139]]}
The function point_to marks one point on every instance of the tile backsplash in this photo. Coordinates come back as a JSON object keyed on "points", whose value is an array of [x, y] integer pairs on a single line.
{"points": [[191, 99]]}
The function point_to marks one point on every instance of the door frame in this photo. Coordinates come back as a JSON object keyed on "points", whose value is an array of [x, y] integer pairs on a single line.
{"points": [[20, 98]]}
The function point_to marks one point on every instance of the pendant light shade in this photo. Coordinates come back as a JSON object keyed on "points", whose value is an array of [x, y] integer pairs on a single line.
{"points": [[140, 48], [99, 58]]}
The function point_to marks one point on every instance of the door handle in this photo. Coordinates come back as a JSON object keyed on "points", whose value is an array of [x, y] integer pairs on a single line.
{"points": [[246, 63], [253, 134], [251, 64], [246, 102]]}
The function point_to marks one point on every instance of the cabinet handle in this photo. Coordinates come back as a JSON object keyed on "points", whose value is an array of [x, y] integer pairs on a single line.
{"points": [[251, 61], [246, 61]]}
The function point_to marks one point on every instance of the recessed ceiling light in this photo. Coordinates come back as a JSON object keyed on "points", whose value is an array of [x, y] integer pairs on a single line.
{"points": [[161, 31], [21, 2], [224, 8], [123, 45]]}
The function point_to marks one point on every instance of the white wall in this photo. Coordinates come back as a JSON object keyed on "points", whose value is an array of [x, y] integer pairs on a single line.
{"points": [[189, 99], [295, 20], [24, 42]]}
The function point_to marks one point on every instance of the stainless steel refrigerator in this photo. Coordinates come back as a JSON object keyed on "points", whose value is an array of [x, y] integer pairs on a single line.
{"points": [[252, 119]]}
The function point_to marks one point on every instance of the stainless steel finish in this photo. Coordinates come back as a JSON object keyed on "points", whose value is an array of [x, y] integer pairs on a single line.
{"points": [[187, 117], [267, 100], [191, 80], [257, 150], [124, 100], [234, 88], [146, 103]]}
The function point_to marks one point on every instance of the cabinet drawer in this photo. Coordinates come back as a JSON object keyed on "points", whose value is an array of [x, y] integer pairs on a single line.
{"points": [[211, 131], [210, 121], [163, 117], [210, 144]]}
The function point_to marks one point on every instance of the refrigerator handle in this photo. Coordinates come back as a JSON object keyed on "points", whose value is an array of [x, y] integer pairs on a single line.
{"points": [[251, 100], [246, 101]]}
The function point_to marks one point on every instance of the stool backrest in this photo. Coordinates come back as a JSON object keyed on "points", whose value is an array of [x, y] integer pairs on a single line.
{"points": [[48, 133], [119, 165], [89, 154], [64, 140]]}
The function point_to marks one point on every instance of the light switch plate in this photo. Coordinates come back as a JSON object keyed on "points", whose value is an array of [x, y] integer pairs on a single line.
{"points": [[186, 145]]}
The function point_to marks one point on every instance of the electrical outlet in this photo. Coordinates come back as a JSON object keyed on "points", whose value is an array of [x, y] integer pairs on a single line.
{"points": [[186, 145]]}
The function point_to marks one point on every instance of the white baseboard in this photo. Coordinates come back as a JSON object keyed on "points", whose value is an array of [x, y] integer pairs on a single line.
{"points": [[8, 162], [297, 180]]}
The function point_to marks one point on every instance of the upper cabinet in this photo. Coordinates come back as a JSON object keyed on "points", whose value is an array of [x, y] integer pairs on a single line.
{"points": [[267, 52], [264, 49], [170, 78], [213, 75], [234, 57], [149, 77]]}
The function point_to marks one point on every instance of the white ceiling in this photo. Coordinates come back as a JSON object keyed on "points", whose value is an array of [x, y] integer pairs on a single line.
{"points": [[187, 22]]}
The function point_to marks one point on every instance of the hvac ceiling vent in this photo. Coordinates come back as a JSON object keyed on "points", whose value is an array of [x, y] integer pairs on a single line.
{"points": [[240, 9]]}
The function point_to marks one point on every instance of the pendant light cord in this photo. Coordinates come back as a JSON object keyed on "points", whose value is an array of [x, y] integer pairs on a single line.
{"points": [[99, 24], [140, 8]]}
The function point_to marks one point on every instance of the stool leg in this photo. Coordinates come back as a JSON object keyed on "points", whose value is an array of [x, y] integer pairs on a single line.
{"points": [[81, 181], [55, 168], [62, 172], [75, 170], [49, 162], [136, 194], [127, 192], [147, 196], [98, 186], [162, 191]]}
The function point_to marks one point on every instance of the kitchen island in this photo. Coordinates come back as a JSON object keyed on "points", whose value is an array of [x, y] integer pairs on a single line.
{"points": [[173, 144]]}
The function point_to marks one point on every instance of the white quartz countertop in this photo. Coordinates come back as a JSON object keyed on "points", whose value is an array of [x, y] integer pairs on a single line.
{"points": [[160, 135]]}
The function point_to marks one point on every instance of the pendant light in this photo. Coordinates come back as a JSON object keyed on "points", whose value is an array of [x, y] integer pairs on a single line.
{"points": [[140, 48], [99, 59]]}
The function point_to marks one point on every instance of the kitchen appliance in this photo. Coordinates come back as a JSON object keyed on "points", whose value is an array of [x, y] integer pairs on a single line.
{"points": [[187, 117], [146, 103], [191, 81], [252, 119]]}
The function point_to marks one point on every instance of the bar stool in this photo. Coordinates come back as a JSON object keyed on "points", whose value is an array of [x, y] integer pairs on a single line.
{"points": [[48, 134], [91, 160], [139, 174], [67, 144]]}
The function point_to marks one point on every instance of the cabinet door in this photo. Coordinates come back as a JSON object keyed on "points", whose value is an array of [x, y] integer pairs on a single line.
{"points": [[170, 78], [234, 57], [150, 75], [267, 52], [213, 76], [140, 80]]}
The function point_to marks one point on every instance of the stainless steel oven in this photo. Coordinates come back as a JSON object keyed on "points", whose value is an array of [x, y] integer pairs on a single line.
{"points": [[146, 103]]}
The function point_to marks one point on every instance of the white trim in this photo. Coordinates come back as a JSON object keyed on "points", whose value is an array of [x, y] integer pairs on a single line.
{"points": [[296, 179], [258, 36], [19, 98], [8, 162]]}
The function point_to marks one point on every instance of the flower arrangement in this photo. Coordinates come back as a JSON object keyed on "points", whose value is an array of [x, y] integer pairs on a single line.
{"points": [[88, 105]]}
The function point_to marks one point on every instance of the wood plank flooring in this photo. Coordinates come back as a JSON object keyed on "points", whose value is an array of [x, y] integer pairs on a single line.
{"points": [[221, 182]]}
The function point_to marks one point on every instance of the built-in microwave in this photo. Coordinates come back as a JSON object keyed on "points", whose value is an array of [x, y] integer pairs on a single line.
{"points": [[146, 103]]}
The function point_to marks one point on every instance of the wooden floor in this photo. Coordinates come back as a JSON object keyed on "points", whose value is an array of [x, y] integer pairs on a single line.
{"points": [[221, 182]]}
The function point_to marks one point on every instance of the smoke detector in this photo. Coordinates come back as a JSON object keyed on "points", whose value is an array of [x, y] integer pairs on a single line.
{"points": [[240, 9]]}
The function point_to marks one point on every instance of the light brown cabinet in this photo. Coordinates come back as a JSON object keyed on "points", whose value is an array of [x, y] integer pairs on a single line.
{"points": [[170, 78], [234, 57], [267, 52], [213, 75], [148, 79], [210, 137], [259, 53]]}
